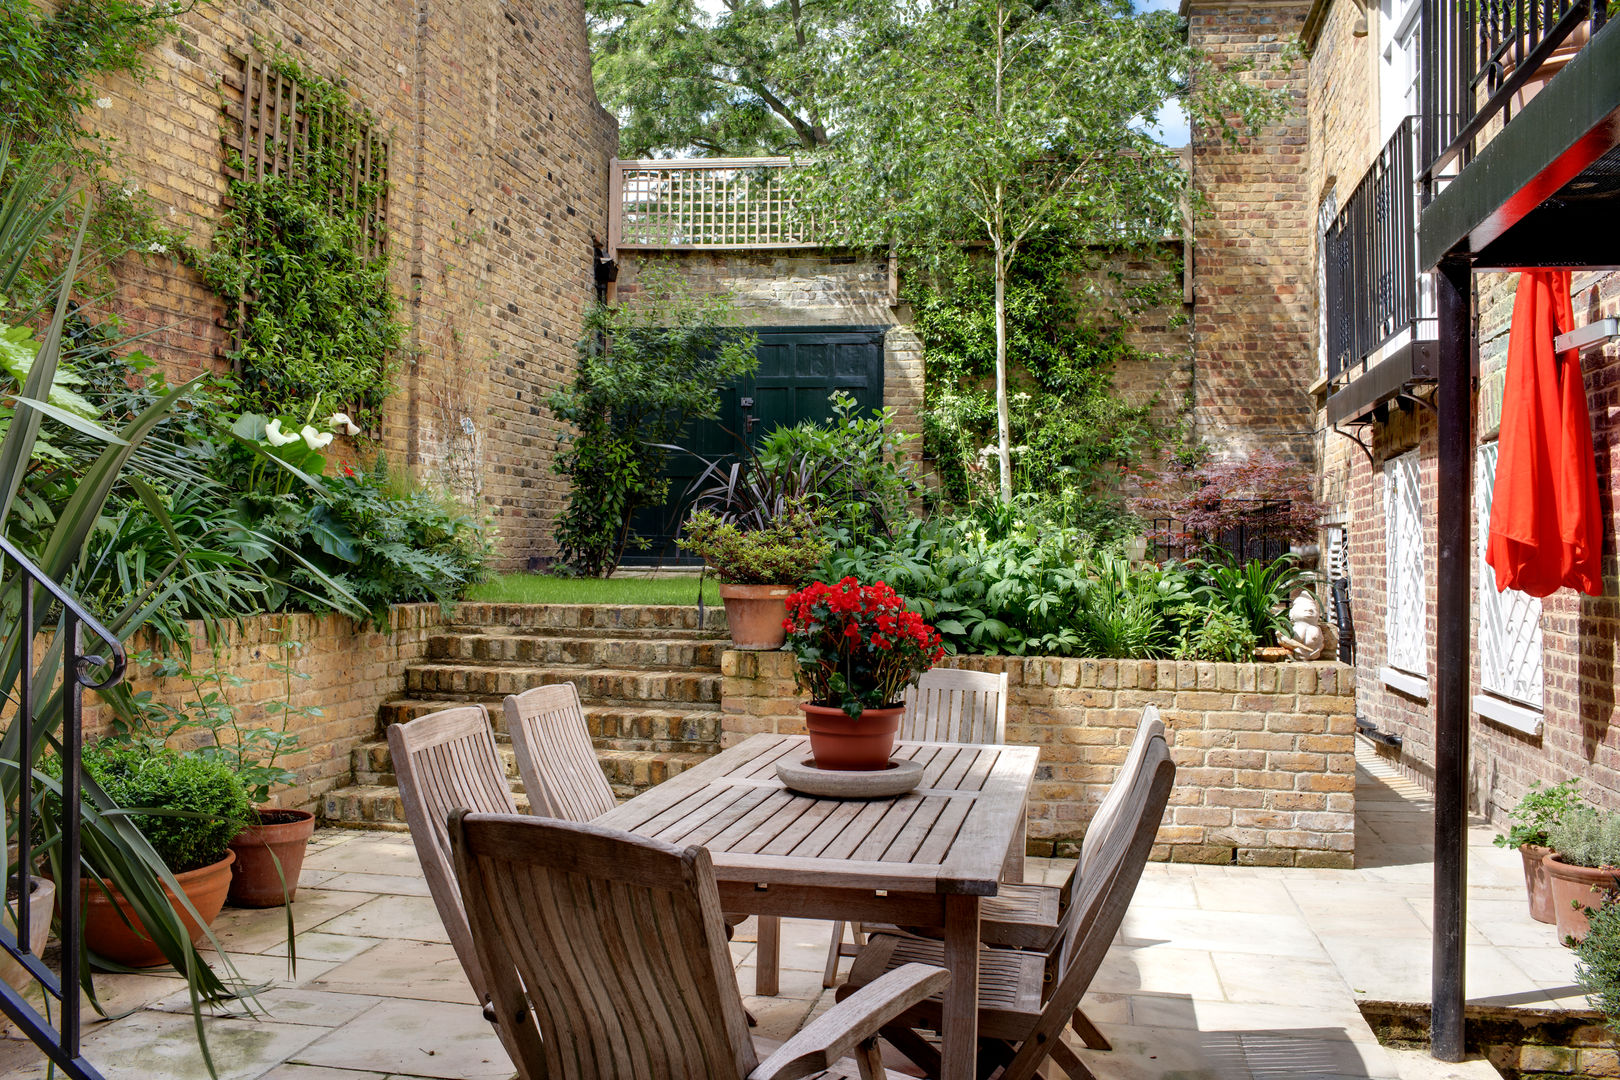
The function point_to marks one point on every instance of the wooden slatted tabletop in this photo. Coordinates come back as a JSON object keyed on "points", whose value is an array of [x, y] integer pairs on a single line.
{"points": [[923, 858]]}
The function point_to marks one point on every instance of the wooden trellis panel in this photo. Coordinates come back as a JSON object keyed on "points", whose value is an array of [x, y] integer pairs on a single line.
{"points": [[714, 203]]}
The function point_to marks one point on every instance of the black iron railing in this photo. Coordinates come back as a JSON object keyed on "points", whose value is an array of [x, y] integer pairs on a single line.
{"points": [[1478, 54], [1260, 532], [1373, 286], [41, 598]]}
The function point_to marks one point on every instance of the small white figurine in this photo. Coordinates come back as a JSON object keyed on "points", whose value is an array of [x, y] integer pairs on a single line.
{"points": [[1307, 638]]}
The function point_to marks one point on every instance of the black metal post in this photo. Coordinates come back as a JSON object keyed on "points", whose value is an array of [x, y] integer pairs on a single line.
{"points": [[1454, 499]]}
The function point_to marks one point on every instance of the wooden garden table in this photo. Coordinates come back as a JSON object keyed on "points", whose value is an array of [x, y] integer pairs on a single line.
{"points": [[922, 859]]}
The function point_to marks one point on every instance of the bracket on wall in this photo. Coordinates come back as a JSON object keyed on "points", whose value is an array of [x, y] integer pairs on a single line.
{"points": [[1365, 449], [1598, 333]]}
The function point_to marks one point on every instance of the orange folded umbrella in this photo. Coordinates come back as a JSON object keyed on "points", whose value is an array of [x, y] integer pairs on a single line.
{"points": [[1545, 531]]}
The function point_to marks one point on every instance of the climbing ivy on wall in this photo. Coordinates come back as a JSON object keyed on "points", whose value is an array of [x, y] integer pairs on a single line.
{"points": [[301, 255]]}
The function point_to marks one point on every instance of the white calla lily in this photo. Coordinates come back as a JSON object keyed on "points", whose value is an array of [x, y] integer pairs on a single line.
{"points": [[341, 422], [275, 436], [315, 440]]}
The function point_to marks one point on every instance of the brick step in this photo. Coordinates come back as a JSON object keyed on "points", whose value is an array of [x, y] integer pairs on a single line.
{"points": [[521, 647], [638, 689], [587, 620]]}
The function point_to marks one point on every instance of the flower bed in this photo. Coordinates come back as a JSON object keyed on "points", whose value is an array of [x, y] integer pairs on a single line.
{"points": [[1265, 752]]}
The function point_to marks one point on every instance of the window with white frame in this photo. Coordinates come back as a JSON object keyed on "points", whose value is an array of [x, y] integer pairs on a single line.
{"points": [[1404, 608], [1509, 622]]}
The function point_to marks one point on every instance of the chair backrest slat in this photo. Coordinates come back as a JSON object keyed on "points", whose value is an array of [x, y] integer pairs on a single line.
{"points": [[616, 939], [1102, 898], [954, 705], [446, 761], [561, 774]]}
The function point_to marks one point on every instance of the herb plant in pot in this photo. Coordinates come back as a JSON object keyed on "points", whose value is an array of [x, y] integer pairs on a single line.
{"points": [[199, 806], [1583, 867], [758, 568], [1597, 966], [1539, 810], [858, 649]]}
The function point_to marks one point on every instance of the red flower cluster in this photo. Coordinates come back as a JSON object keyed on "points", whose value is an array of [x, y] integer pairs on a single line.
{"points": [[858, 643]]}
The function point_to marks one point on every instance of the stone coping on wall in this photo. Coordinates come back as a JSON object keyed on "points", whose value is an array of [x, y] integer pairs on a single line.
{"points": [[1264, 753]]}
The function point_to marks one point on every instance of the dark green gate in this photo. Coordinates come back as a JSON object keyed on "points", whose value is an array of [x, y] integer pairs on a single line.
{"points": [[799, 367]]}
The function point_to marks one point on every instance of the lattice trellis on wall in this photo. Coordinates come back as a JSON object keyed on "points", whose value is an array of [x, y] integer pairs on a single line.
{"points": [[1509, 622], [272, 131], [714, 203], [1405, 614]]}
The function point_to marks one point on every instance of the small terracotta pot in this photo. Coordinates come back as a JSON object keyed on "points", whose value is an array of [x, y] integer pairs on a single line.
{"points": [[1536, 884], [863, 745], [280, 838], [1576, 888], [755, 614], [106, 934]]}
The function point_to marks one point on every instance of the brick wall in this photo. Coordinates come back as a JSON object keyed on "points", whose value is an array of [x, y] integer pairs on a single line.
{"points": [[1264, 752], [350, 672], [498, 163], [1253, 281]]}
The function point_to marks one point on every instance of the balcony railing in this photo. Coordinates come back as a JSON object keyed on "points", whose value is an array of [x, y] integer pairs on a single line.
{"points": [[1477, 57], [713, 203], [1374, 292]]}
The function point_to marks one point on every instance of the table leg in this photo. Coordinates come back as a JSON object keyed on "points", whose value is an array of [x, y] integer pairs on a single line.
{"points": [[1012, 871], [768, 956], [960, 1039]]}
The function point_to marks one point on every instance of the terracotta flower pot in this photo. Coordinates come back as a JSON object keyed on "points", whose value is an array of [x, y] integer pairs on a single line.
{"points": [[107, 935], [863, 745], [280, 838], [1576, 888], [755, 614], [1536, 884]]}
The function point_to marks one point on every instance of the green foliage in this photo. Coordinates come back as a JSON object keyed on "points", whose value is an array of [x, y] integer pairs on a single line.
{"points": [[320, 326], [786, 552], [1256, 593], [1215, 634], [1597, 961], [1540, 810], [1071, 433], [1587, 837], [646, 367], [205, 801]]}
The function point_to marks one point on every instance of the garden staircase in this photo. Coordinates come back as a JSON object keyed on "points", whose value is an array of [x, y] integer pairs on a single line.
{"points": [[648, 677]]}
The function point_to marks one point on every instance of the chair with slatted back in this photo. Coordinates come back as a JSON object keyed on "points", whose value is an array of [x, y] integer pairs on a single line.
{"points": [[555, 757], [946, 705], [607, 959], [446, 761], [1025, 1006]]}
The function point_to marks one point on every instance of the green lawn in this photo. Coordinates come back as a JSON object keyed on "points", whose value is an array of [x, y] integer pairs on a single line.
{"points": [[541, 589]]}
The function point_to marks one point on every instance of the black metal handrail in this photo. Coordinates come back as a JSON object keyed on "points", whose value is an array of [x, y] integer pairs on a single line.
{"points": [[1477, 54], [1256, 535], [61, 1042], [1373, 284]]}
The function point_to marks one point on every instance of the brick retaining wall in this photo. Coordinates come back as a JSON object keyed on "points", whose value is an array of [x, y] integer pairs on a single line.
{"points": [[1265, 752]]}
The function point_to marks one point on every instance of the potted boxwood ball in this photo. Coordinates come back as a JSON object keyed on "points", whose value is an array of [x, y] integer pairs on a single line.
{"points": [[858, 649], [208, 806], [757, 568], [1583, 868], [1539, 810]]}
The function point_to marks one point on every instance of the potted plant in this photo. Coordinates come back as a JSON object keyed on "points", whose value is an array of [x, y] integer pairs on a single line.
{"points": [[1583, 867], [1539, 810], [1597, 965], [758, 568], [858, 649], [41, 902], [203, 805]]}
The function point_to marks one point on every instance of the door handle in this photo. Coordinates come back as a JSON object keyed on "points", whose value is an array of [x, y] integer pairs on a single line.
{"points": [[749, 420]]}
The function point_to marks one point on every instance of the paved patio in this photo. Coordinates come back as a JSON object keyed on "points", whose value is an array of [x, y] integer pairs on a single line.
{"points": [[1224, 973]]}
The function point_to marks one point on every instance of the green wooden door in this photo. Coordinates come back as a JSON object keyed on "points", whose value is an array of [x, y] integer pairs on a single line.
{"points": [[799, 367]]}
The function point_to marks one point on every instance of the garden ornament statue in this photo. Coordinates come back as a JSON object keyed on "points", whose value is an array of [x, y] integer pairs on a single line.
{"points": [[1306, 639]]}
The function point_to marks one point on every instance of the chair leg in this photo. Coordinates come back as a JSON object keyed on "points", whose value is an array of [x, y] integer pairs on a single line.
{"points": [[835, 952], [768, 956], [869, 1060], [914, 1046], [1069, 1061], [1088, 1032]]}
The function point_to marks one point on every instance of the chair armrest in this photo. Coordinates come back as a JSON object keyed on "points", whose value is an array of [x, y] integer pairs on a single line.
{"points": [[851, 1022]]}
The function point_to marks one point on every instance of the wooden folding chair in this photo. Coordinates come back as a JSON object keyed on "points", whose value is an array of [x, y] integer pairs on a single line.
{"points": [[555, 756]]}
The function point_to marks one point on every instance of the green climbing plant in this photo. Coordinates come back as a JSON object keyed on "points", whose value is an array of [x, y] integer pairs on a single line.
{"points": [[309, 292]]}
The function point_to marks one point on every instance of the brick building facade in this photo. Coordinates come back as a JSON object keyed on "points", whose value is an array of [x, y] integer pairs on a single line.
{"points": [[498, 197]]}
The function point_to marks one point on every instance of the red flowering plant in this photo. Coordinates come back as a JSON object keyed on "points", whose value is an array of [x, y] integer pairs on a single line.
{"points": [[857, 645]]}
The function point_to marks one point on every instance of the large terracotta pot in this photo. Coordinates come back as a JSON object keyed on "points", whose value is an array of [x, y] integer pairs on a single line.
{"points": [[1536, 884], [755, 614], [279, 838], [1567, 50], [106, 934], [863, 745], [1576, 888]]}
